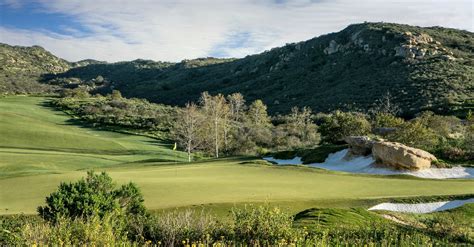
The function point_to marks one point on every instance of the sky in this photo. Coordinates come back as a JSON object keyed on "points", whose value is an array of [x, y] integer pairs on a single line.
{"points": [[173, 30]]}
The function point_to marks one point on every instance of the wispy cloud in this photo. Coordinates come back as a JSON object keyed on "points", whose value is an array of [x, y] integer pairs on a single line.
{"points": [[173, 30]]}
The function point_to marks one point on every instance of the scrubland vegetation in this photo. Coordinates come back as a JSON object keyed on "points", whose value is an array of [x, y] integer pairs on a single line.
{"points": [[227, 125]]}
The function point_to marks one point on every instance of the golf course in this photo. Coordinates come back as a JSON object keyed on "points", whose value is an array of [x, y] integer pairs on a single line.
{"points": [[40, 147]]}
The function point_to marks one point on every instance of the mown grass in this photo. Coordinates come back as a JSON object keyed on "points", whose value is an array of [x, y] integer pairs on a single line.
{"points": [[35, 139], [226, 182]]}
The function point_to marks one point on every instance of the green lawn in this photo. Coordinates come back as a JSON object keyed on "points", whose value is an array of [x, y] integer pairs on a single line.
{"points": [[227, 182], [35, 139], [40, 149]]}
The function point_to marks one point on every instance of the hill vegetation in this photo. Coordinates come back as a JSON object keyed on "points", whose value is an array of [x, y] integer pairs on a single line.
{"points": [[423, 68], [22, 67]]}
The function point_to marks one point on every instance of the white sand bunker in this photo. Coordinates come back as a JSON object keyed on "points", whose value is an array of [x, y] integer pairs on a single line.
{"points": [[421, 208], [365, 164], [294, 161]]}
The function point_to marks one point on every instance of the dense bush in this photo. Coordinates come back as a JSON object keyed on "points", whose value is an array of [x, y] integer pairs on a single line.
{"points": [[386, 120], [172, 228], [114, 110], [107, 230], [337, 125], [262, 225], [96, 195]]}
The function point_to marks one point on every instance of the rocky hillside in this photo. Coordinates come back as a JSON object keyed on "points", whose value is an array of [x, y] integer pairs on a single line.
{"points": [[422, 68], [21, 68]]}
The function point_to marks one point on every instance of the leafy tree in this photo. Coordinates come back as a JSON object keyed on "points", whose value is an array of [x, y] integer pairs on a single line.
{"points": [[336, 126], [94, 195], [256, 129]]}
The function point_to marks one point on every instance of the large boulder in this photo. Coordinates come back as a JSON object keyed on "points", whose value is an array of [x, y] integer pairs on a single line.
{"points": [[400, 156], [359, 145]]}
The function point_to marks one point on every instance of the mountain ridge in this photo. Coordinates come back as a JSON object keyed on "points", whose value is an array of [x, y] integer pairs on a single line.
{"points": [[422, 68]]}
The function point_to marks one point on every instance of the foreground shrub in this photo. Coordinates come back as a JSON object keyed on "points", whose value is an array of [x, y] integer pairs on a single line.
{"points": [[96, 195], [108, 230], [262, 225], [172, 228]]}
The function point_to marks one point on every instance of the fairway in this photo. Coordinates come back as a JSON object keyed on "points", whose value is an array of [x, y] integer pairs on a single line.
{"points": [[41, 148], [36, 139]]}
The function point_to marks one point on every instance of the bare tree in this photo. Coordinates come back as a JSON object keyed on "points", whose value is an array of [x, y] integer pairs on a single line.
{"points": [[236, 106], [216, 111], [187, 128], [386, 104]]}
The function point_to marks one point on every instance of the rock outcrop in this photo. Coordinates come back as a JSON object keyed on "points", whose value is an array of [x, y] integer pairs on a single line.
{"points": [[359, 145], [399, 156]]}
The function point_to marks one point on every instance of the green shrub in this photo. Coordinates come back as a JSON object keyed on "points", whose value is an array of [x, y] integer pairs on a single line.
{"points": [[415, 134], [336, 126], [95, 195], [262, 225], [172, 228], [388, 120], [108, 230]]}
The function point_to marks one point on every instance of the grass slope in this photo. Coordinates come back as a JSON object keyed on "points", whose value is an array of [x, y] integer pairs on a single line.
{"points": [[36, 139]]}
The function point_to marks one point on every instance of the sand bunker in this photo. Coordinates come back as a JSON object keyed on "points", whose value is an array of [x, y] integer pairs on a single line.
{"points": [[365, 164], [421, 208]]}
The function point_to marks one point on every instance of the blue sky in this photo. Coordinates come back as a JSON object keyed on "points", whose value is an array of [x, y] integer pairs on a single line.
{"points": [[172, 30]]}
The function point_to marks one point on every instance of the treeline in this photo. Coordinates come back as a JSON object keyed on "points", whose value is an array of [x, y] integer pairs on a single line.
{"points": [[226, 124], [113, 110], [220, 125], [95, 211]]}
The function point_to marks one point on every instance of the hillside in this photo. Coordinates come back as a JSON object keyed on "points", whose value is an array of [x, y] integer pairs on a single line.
{"points": [[21, 68], [423, 68]]}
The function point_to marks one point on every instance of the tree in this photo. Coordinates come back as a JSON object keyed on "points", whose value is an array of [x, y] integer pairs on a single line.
{"points": [[94, 196], [187, 128], [386, 104], [236, 106], [257, 125], [298, 129], [216, 110], [336, 126]]}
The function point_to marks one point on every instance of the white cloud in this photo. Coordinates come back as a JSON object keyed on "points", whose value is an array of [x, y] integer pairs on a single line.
{"points": [[175, 30]]}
